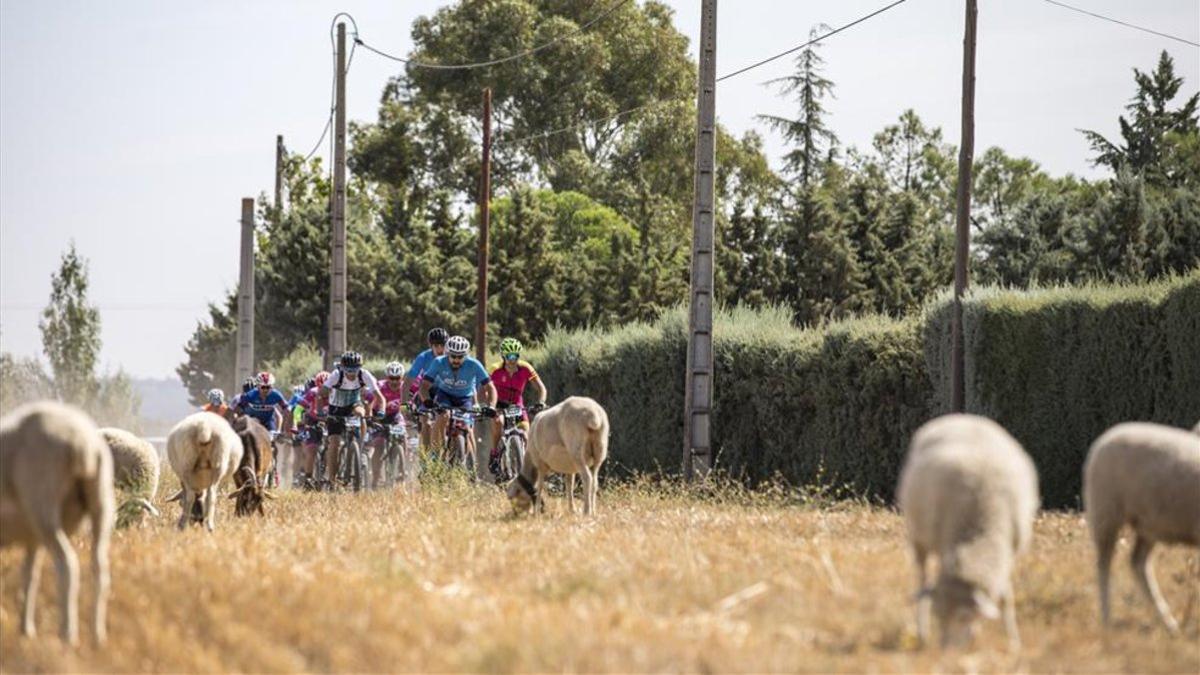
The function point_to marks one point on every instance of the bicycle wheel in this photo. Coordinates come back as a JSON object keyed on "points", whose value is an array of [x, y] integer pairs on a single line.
{"points": [[515, 454], [354, 464]]}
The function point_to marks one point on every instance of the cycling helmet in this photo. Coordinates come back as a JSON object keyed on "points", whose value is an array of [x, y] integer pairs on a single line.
{"points": [[319, 379], [264, 379], [437, 336], [510, 346], [312, 382], [458, 346], [298, 389], [351, 360], [216, 396], [393, 369], [247, 384]]}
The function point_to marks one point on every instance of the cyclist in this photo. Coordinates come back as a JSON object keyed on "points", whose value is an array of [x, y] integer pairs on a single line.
{"points": [[457, 378], [305, 415], [297, 393], [216, 404], [235, 404], [266, 404], [392, 391], [511, 376], [343, 392], [412, 379]]}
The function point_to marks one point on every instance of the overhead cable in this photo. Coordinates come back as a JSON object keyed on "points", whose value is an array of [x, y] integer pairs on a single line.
{"points": [[1128, 25]]}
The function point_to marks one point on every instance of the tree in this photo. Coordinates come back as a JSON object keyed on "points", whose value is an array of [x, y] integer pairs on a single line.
{"points": [[1151, 138], [71, 331], [811, 138]]}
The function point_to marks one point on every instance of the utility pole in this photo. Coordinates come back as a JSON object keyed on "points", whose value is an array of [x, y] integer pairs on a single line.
{"points": [[278, 177], [698, 386], [485, 198], [966, 157], [245, 330], [337, 278]]}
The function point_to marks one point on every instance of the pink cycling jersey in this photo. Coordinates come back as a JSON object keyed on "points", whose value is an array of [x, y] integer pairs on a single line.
{"points": [[393, 398]]}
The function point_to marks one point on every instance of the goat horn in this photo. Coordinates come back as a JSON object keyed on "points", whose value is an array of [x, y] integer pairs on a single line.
{"points": [[145, 504], [178, 496], [268, 495]]}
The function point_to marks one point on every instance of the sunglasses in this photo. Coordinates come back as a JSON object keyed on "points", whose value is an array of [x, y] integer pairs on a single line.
{"points": [[456, 358], [350, 369], [512, 357]]}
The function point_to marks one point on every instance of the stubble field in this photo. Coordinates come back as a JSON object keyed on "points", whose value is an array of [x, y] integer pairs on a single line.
{"points": [[660, 580]]}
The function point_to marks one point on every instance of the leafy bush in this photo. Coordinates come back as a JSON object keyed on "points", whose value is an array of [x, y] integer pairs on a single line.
{"points": [[836, 404]]}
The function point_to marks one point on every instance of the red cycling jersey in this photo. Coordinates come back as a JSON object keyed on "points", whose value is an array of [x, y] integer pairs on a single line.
{"points": [[510, 387]]}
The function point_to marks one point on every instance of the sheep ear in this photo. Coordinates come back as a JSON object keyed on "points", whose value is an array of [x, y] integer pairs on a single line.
{"points": [[987, 609], [178, 496]]}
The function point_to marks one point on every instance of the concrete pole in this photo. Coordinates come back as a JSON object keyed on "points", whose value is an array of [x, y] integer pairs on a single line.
{"points": [[337, 278], [698, 386], [245, 330], [966, 157], [485, 216]]}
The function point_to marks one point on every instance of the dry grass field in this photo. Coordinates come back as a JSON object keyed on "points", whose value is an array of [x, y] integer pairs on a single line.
{"points": [[661, 580]]}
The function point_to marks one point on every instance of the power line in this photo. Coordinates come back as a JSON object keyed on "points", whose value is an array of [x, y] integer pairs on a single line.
{"points": [[333, 81], [493, 62], [1129, 25], [574, 127], [810, 42]]}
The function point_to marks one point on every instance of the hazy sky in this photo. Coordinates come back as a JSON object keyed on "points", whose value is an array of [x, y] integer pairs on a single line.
{"points": [[135, 128]]}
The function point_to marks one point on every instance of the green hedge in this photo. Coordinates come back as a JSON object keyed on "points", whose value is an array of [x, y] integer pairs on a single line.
{"points": [[836, 404], [1058, 366]]}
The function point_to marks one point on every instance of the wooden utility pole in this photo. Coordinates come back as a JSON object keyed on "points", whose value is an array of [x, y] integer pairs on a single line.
{"points": [[278, 177], [966, 157], [485, 216], [244, 361], [337, 278], [698, 386]]}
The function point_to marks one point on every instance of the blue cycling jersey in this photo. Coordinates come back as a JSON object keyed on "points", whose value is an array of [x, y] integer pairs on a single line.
{"points": [[253, 404], [461, 381], [421, 364]]}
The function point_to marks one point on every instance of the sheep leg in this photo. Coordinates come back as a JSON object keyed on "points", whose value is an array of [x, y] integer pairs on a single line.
{"points": [[1145, 575], [1010, 618], [1106, 542], [923, 600], [588, 484], [570, 485], [102, 521], [185, 507], [210, 507], [31, 572], [67, 566]]}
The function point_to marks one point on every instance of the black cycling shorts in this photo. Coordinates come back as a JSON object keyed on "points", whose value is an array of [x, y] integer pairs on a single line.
{"points": [[335, 423]]}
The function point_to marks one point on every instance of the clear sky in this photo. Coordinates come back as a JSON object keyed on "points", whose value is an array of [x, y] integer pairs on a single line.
{"points": [[134, 128]]}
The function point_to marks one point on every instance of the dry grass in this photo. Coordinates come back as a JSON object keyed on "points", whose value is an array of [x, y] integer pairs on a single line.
{"points": [[659, 581]]}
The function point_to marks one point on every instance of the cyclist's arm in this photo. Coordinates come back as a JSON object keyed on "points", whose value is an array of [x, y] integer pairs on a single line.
{"points": [[426, 383], [487, 391], [540, 388]]}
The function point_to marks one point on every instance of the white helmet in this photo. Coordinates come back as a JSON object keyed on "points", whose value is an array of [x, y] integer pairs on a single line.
{"points": [[393, 369], [216, 396], [458, 346]]}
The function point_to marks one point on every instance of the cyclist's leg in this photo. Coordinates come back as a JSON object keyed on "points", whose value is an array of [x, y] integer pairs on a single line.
{"points": [[378, 447], [336, 427]]}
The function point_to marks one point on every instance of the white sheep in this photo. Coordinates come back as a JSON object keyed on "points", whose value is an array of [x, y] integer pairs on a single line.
{"points": [[1146, 475], [568, 438], [136, 467], [54, 470], [203, 451], [969, 494]]}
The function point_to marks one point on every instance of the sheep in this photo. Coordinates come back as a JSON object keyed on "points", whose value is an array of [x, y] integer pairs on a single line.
{"points": [[969, 494], [251, 475], [203, 450], [54, 470], [135, 472], [1146, 475], [568, 438]]}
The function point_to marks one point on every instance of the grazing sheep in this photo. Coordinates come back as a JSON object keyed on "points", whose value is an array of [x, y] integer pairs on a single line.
{"points": [[54, 470], [135, 472], [251, 475], [569, 438], [1146, 475], [969, 494], [203, 450]]}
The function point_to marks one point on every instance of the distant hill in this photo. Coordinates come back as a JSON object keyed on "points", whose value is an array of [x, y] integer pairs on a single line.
{"points": [[164, 402]]}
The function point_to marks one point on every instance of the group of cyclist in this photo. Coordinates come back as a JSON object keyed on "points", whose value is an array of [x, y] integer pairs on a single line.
{"points": [[442, 378]]}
